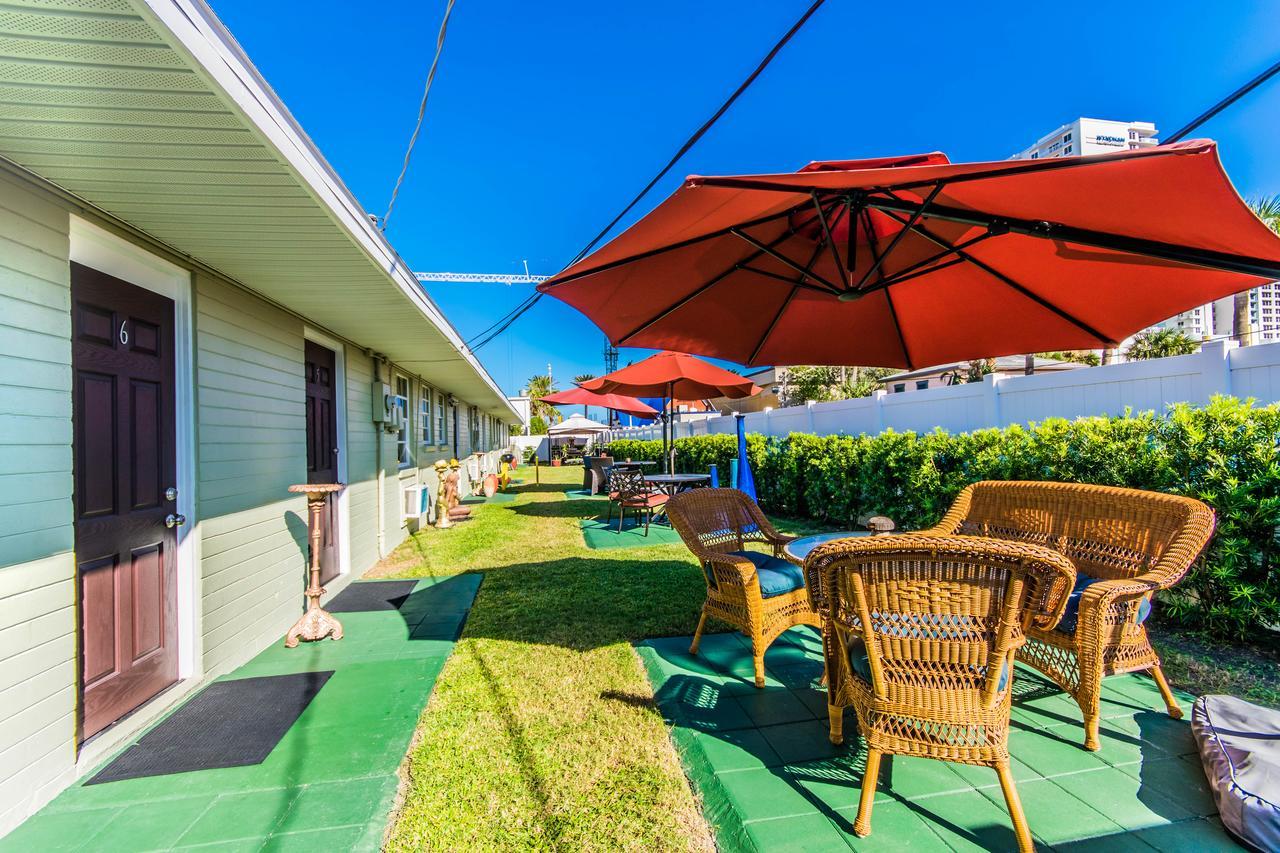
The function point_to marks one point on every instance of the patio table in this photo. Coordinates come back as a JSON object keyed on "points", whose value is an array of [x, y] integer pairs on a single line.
{"points": [[798, 549], [672, 484]]}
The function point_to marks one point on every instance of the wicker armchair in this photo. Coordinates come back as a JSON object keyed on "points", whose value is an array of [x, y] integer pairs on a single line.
{"points": [[1126, 544], [760, 594], [921, 633]]}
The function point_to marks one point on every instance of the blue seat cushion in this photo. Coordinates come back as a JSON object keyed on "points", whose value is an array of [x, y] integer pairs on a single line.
{"points": [[861, 664], [777, 576], [1071, 615]]}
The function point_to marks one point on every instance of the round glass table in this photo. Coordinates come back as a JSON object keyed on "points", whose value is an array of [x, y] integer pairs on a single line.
{"points": [[797, 549]]}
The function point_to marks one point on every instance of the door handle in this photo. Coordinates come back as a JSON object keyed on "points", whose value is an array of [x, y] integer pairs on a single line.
{"points": [[173, 520]]}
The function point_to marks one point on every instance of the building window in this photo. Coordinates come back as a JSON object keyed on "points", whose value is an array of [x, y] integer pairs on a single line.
{"points": [[404, 455], [899, 387], [1066, 137], [473, 421], [1067, 150], [442, 420], [424, 415], [1035, 155], [922, 384]]}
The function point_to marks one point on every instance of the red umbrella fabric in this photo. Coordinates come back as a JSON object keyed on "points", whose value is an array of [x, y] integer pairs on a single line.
{"points": [[579, 396], [674, 374], [910, 261]]}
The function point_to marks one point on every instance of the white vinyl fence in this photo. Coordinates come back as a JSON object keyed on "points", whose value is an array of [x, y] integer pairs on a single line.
{"points": [[1220, 368]]}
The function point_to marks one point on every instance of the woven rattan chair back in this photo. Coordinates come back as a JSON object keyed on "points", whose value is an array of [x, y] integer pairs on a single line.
{"points": [[1107, 532], [940, 614], [718, 520]]}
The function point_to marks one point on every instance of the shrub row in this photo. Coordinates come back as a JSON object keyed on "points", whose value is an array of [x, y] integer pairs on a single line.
{"points": [[1224, 454]]}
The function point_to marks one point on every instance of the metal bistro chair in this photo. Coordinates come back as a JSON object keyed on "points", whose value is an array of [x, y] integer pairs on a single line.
{"points": [[759, 593], [920, 639], [629, 490], [1126, 544]]}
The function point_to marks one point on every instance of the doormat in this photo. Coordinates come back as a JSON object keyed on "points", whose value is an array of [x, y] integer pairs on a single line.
{"points": [[366, 596], [228, 724]]}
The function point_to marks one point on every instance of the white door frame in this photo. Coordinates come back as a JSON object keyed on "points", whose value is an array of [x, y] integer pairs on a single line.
{"points": [[340, 405], [95, 247]]}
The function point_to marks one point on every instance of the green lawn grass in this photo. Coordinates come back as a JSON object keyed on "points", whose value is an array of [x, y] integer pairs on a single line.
{"points": [[541, 733]]}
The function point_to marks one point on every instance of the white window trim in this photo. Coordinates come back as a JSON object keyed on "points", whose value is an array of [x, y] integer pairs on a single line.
{"points": [[396, 376], [426, 395]]}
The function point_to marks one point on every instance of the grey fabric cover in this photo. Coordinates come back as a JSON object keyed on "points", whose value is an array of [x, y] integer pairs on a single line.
{"points": [[1240, 749]]}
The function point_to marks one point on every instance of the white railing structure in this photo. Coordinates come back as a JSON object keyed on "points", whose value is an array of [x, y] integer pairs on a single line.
{"points": [[1220, 368]]}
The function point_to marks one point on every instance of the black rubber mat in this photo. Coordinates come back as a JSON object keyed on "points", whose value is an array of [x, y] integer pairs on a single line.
{"points": [[363, 596], [228, 724]]}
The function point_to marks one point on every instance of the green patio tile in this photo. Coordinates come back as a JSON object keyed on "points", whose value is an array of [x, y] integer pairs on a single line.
{"points": [[1049, 753], [966, 821], [1054, 815], [909, 778], [1181, 781], [808, 740], [151, 826], [597, 534], [763, 794], [804, 674], [1123, 799], [895, 826], [350, 802], [1193, 836], [346, 838], [834, 784], [744, 749], [1124, 842], [1172, 736], [978, 776], [816, 701], [782, 655], [233, 817], [772, 706], [812, 833], [70, 830]]}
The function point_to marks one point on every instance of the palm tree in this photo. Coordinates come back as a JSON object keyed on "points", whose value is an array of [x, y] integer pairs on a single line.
{"points": [[1161, 343], [538, 387], [578, 380], [1266, 208]]}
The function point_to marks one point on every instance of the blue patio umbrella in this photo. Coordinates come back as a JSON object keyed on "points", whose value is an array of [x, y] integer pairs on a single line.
{"points": [[744, 481]]}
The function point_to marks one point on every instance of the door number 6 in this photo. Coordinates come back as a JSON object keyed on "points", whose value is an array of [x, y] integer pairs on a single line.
{"points": [[124, 333]]}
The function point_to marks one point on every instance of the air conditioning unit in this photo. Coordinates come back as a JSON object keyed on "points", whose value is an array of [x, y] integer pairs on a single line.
{"points": [[417, 503]]}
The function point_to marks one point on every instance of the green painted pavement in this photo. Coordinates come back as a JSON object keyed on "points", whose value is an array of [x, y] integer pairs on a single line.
{"points": [[331, 781], [598, 533], [770, 780]]}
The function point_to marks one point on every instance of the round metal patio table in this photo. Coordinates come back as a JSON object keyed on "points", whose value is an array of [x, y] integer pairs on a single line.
{"points": [[675, 483], [797, 549]]}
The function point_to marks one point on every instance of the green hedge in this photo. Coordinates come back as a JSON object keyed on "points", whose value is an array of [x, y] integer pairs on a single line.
{"points": [[1224, 454]]}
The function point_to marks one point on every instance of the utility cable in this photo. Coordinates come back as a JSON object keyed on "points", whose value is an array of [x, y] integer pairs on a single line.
{"points": [[422, 111], [684, 149], [1224, 103]]}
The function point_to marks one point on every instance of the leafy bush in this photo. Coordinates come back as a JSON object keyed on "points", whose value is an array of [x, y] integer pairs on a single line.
{"points": [[1224, 454]]}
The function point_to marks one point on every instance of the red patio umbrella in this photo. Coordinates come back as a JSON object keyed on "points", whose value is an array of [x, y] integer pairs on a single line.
{"points": [[673, 375], [910, 261], [578, 395]]}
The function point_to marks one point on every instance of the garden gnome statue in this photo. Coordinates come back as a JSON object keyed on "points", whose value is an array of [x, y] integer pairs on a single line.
{"points": [[457, 512], [442, 500]]}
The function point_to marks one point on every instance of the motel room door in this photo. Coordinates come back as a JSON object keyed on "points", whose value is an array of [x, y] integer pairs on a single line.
{"points": [[322, 446], [123, 411]]}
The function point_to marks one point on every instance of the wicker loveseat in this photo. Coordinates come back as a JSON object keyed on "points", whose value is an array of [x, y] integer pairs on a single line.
{"points": [[760, 593], [921, 633], [1125, 544]]}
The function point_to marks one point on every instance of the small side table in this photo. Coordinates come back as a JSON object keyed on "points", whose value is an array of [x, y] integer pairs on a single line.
{"points": [[317, 623]]}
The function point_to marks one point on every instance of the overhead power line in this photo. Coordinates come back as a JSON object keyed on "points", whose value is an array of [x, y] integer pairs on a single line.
{"points": [[422, 111], [684, 149], [481, 277], [1225, 102]]}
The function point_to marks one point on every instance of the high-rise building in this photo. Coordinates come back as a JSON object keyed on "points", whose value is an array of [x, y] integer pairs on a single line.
{"points": [[1092, 136]]}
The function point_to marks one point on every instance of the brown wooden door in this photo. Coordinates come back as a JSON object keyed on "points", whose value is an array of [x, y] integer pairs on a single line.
{"points": [[322, 446], [125, 461]]}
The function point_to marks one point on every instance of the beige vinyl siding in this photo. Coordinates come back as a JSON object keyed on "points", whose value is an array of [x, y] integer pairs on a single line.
{"points": [[362, 474], [251, 429], [37, 568]]}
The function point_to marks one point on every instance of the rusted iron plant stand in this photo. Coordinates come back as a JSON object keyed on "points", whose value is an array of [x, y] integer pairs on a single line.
{"points": [[316, 623]]}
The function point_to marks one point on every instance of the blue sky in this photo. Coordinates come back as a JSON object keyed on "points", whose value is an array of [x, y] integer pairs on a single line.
{"points": [[546, 118]]}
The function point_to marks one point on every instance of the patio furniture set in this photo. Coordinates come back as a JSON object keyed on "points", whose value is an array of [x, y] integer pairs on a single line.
{"points": [[921, 630], [629, 487]]}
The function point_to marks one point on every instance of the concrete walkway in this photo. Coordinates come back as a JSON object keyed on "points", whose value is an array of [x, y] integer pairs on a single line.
{"points": [[331, 781]]}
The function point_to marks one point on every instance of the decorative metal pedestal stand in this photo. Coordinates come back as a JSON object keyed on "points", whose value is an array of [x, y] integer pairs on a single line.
{"points": [[316, 623]]}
